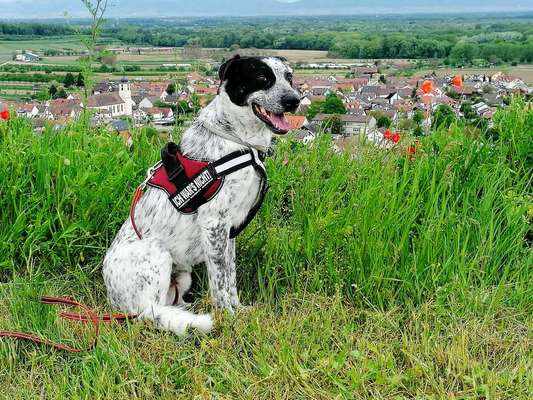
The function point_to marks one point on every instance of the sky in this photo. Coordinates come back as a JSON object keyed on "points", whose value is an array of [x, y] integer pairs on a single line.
{"points": [[25, 9]]}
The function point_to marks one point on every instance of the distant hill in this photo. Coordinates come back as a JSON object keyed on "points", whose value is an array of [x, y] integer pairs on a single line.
{"points": [[142, 8]]}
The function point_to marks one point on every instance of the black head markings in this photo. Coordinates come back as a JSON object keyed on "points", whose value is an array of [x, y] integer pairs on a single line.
{"points": [[246, 75]]}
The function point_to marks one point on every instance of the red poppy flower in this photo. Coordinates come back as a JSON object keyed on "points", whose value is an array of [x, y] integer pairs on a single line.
{"points": [[387, 134], [4, 115], [396, 137], [427, 87], [457, 81], [411, 150]]}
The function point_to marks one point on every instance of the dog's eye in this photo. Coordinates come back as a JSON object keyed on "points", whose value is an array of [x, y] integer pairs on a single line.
{"points": [[262, 78]]}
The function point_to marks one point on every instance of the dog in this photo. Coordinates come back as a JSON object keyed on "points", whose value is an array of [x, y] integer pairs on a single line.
{"points": [[145, 276]]}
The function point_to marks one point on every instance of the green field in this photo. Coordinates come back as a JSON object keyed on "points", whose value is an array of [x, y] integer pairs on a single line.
{"points": [[10, 47], [374, 277]]}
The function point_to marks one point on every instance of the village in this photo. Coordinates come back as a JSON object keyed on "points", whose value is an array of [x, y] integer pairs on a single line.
{"points": [[363, 104]]}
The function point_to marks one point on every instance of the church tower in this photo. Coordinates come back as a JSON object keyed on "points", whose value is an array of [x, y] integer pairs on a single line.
{"points": [[124, 91]]}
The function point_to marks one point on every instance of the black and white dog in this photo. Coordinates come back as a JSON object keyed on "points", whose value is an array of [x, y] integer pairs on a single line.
{"points": [[254, 95]]}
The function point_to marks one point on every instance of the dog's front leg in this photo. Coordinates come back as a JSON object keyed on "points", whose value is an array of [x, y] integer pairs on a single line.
{"points": [[220, 264], [234, 296]]}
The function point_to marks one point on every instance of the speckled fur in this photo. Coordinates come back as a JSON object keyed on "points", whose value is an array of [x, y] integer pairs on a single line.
{"points": [[137, 273]]}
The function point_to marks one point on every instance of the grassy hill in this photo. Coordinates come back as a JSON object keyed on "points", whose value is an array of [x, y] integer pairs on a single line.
{"points": [[376, 276]]}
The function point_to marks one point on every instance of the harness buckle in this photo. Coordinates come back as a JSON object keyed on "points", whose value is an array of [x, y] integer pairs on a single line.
{"points": [[149, 175]]}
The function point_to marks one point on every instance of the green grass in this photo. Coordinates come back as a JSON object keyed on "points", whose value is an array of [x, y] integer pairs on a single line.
{"points": [[371, 277]]}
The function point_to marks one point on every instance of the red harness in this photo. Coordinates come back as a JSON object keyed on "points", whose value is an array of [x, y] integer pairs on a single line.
{"points": [[191, 168], [191, 183]]}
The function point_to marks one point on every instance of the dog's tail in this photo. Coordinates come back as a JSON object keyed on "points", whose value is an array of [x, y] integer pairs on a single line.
{"points": [[176, 319]]}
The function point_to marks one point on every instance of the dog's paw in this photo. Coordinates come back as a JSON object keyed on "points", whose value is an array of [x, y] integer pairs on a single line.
{"points": [[202, 323]]}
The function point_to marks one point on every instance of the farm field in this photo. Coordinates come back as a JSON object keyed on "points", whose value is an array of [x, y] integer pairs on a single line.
{"points": [[9, 47]]}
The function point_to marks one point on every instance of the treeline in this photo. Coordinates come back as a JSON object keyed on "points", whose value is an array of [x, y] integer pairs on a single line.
{"points": [[454, 52], [458, 40], [48, 69], [43, 78], [34, 29]]}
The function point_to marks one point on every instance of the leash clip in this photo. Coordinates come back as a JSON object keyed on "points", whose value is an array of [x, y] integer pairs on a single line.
{"points": [[149, 175]]}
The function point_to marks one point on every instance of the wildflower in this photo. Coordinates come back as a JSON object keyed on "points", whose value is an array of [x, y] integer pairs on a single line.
{"points": [[457, 81], [387, 135], [4, 115], [427, 87], [396, 137], [410, 151]]}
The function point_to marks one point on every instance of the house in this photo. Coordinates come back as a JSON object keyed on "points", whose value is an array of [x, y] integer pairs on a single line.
{"points": [[145, 101], [481, 108], [122, 128], [160, 115], [202, 90], [366, 71], [305, 135], [27, 56], [104, 86], [320, 90], [111, 102], [28, 110], [116, 103], [305, 102], [64, 109], [296, 121], [352, 124]]}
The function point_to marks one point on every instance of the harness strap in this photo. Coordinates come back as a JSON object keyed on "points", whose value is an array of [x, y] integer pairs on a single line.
{"points": [[258, 166]]}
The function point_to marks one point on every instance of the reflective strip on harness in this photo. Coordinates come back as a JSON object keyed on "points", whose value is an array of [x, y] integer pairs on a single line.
{"points": [[240, 161]]}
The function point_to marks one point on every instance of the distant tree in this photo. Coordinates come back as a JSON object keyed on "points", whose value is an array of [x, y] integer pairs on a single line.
{"points": [[80, 82], [42, 94], [463, 53], [52, 90], [108, 59], [315, 108], [334, 124], [443, 116], [61, 94], [383, 121], [69, 80], [333, 105], [382, 79], [171, 88]]}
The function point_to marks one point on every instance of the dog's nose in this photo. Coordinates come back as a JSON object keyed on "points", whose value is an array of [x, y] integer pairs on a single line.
{"points": [[290, 102]]}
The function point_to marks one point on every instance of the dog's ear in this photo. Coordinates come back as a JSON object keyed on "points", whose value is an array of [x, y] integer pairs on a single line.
{"points": [[224, 68]]}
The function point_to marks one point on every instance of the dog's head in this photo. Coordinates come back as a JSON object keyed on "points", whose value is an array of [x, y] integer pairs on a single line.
{"points": [[263, 85]]}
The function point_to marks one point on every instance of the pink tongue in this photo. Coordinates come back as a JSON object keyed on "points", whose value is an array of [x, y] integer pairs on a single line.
{"points": [[280, 121]]}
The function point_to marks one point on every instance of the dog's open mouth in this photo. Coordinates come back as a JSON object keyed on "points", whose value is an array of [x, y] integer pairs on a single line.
{"points": [[276, 122]]}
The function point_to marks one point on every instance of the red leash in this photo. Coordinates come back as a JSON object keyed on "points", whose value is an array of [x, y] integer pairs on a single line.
{"points": [[136, 197], [88, 316]]}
